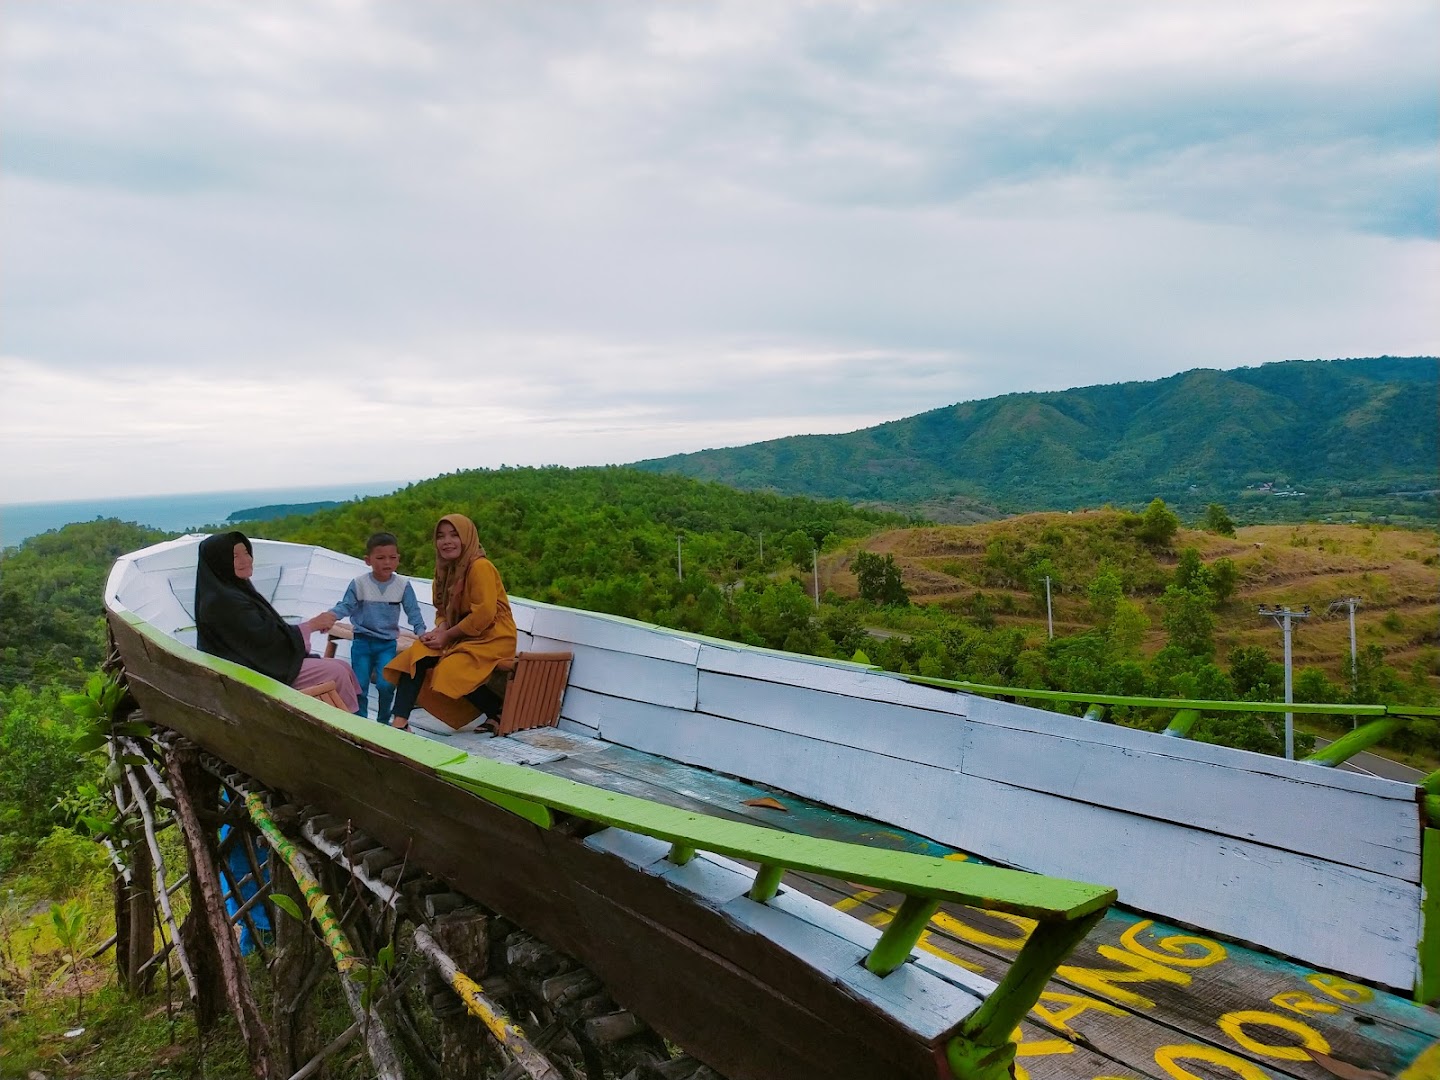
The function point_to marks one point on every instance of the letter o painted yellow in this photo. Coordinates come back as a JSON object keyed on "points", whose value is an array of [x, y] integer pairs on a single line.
{"points": [[1233, 1024]]}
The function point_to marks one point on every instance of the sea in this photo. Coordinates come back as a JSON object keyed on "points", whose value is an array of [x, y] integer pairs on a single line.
{"points": [[192, 512]]}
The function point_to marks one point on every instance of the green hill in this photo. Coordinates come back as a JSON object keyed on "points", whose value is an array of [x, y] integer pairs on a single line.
{"points": [[1358, 437]]}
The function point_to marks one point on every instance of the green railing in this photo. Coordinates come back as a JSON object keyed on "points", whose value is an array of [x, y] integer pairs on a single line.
{"points": [[1385, 719], [1064, 910]]}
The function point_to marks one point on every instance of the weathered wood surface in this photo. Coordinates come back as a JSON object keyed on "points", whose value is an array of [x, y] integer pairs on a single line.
{"points": [[585, 903], [1135, 987], [1143, 1007]]}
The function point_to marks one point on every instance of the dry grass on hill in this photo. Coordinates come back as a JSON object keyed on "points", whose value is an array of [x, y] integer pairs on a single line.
{"points": [[1394, 572]]}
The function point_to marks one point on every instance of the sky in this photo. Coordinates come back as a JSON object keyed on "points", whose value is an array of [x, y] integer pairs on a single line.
{"points": [[260, 244]]}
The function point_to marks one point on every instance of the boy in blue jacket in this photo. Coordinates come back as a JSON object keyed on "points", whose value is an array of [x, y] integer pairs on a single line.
{"points": [[372, 603]]}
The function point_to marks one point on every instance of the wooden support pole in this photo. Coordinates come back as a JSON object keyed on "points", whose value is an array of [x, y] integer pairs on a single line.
{"points": [[297, 965], [377, 1039], [466, 1048], [162, 789], [506, 1032], [140, 921], [262, 891], [99, 950], [161, 891], [334, 1046], [236, 977], [347, 961]]}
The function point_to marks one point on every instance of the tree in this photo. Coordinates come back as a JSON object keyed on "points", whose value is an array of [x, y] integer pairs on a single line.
{"points": [[1105, 592], [1254, 674], [1128, 626], [1158, 525], [1188, 620], [1190, 573], [798, 548], [1218, 521], [879, 579], [1224, 576]]}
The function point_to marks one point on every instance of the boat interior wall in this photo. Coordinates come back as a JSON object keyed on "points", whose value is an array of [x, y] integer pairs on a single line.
{"points": [[1210, 836]]}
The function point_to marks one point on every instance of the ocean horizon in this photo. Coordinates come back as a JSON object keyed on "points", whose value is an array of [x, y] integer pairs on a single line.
{"points": [[191, 511]]}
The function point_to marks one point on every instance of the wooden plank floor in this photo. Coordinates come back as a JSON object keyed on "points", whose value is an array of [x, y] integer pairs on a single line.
{"points": [[1138, 998]]}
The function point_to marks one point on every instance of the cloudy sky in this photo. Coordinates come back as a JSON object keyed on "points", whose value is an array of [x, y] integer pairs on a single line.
{"points": [[256, 244]]}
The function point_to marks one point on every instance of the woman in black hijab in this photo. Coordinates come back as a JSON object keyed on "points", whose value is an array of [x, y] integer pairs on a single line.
{"points": [[234, 622]]}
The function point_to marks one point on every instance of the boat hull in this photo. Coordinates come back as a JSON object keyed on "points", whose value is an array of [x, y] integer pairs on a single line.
{"points": [[728, 995]]}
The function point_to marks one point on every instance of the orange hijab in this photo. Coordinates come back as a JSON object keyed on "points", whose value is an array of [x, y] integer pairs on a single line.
{"points": [[448, 591]]}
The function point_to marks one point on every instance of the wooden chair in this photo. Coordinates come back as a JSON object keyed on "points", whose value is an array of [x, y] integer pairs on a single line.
{"points": [[533, 690], [326, 692]]}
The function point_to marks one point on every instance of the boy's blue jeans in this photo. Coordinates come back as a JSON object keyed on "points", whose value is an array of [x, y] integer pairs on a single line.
{"points": [[368, 657]]}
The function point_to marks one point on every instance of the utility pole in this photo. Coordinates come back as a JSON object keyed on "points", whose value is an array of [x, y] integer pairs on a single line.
{"points": [[679, 568], [1049, 611], [1283, 617], [815, 564], [762, 547], [1351, 602]]}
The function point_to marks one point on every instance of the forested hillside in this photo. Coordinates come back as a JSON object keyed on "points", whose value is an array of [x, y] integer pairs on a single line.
{"points": [[608, 539], [1358, 437]]}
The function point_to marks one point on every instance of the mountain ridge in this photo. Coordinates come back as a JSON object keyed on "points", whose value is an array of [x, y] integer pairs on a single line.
{"points": [[1353, 429]]}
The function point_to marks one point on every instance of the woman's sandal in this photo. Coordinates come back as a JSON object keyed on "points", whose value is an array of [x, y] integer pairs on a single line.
{"points": [[400, 727]]}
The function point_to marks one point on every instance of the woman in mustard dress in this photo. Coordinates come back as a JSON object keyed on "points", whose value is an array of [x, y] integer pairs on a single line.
{"points": [[445, 671]]}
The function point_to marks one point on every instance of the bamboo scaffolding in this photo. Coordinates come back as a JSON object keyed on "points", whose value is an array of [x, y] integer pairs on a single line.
{"points": [[162, 789], [234, 975], [161, 891], [347, 961], [507, 1033]]}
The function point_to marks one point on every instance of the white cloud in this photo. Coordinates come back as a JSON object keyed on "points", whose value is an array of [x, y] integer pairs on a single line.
{"points": [[638, 230]]}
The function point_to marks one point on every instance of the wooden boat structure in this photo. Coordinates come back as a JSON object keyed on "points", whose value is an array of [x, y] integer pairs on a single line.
{"points": [[795, 868]]}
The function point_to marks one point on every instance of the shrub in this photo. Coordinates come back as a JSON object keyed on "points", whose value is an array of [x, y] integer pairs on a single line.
{"points": [[1158, 525], [37, 734]]}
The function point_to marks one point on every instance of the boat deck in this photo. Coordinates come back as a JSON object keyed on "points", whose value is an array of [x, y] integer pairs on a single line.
{"points": [[1139, 998]]}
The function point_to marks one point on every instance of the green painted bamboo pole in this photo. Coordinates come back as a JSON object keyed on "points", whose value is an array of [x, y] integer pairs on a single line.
{"points": [[767, 882], [1431, 802], [983, 1050], [894, 946], [1204, 705], [680, 854], [1183, 721], [1427, 980], [316, 900], [1362, 738]]}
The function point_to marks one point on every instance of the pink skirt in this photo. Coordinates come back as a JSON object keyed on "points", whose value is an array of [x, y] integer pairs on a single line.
{"points": [[315, 670]]}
